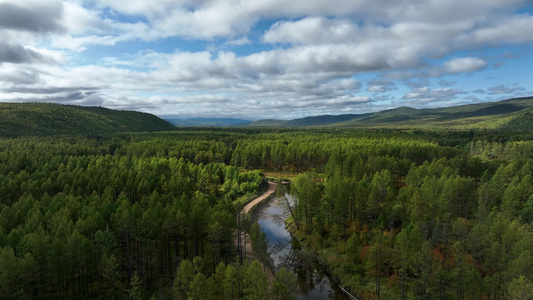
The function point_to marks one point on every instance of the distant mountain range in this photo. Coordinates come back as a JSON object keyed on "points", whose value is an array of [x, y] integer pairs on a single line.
{"points": [[507, 114], [39, 119], [35, 119], [208, 122]]}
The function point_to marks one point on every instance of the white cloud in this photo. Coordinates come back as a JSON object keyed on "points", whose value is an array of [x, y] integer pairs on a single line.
{"points": [[377, 89], [465, 64], [380, 85], [425, 96], [314, 30], [310, 61], [239, 42], [81, 20], [13, 75], [229, 18], [502, 89], [32, 16], [517, 29], [184, 78], [399, 46]]}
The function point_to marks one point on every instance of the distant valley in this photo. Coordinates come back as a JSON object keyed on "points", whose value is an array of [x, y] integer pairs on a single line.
{"points": [[40, 119], [208, 122]]}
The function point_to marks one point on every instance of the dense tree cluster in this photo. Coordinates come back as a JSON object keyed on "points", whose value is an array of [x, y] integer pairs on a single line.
{"points": [[232, 281], [396, 213], [456, 227], [51, 119], [76, 223]]}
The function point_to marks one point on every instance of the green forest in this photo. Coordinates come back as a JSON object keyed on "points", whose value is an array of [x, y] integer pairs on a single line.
{"points": [[395, 214], [51, 119]]}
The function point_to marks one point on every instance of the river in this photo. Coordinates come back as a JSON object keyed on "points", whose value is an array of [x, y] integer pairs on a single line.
{"points": [[285, 251]]}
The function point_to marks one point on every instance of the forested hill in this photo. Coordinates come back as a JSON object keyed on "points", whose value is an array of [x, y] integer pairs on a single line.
{"points": [[507, 114], [40, 119]]}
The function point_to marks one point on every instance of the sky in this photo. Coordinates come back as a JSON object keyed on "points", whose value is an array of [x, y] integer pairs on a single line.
{"points": [[259, 59]]}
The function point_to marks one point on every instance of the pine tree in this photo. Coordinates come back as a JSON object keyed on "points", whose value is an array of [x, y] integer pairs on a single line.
{"points": [[135, 291], [284, 286], [255, 282]]}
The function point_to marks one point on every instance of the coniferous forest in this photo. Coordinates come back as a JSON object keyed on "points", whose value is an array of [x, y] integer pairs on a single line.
{"points": [[408, 214]]}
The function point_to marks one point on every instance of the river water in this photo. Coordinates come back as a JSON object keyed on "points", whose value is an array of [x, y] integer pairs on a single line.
{"points": [[285, 251]]}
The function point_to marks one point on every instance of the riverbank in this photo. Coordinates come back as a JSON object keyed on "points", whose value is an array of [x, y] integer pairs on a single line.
{"points": [[272, 186], [310, 251], [314, 282], [245, 246]]}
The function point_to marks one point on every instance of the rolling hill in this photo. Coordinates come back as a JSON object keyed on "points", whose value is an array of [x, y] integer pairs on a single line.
{"points": [[39, 119], [507, 114]]}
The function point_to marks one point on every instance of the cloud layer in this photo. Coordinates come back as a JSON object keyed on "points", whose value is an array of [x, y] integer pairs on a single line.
{"points": [[261, 59]]}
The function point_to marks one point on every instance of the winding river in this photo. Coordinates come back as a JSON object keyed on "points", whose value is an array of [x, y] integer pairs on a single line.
{"points": [[285, 251]]}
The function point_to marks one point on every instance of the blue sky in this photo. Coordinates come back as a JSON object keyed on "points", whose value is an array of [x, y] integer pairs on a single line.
{"points": [[265, 58]]}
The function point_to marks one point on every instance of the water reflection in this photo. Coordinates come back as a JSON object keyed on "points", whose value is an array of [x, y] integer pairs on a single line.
{"points": [[284, 251]]}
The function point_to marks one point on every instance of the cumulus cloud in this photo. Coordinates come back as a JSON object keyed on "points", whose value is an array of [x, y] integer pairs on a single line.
{"points": [[426, 95], [239, 42], [45, 90], [380, 85], [13, 53], [38, 89], [11, 75], [431, 20], [399, 46], [314, 30], [447, 83], [289, 58], [465, 64], [23, 25], [511, 29], [33, 16], [502, 89], [223, 17]]}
